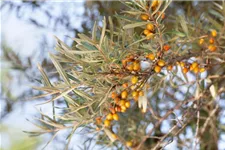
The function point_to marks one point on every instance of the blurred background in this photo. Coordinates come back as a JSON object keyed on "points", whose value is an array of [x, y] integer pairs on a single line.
{"points": [[27, 36]]}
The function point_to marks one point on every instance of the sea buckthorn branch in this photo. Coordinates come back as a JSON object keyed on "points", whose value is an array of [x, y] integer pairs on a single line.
{"points": [[118, 78]]}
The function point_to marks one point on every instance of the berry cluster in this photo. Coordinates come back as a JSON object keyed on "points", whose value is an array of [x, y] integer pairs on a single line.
{"points": [[127, 93], [211, 40]]}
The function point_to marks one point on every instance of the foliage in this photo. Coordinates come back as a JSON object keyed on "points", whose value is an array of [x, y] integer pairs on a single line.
{"points": [[126, 82]]}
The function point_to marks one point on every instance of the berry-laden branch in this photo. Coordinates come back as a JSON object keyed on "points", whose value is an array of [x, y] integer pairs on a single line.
{"points": [[128, 81]]}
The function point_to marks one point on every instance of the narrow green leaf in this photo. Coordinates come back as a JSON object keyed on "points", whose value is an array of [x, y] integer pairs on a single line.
{"points": [[133, 25]]}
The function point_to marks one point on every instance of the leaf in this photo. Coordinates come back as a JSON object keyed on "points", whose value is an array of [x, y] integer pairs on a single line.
{"points": [[213, 91], [94, 32], [59, 69], [133, 25], [103, 32], [183, 24]]}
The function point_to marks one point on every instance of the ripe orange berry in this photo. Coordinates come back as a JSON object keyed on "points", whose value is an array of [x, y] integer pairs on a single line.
{"points": [[134, 93], [170, 67], [114, 136], [123, 108], [127, 104], [185, 70], [122, 102], [163, 16], [118, 109], [97, 129], [141, 93], [196, 70], [132, 87], [107, 123], [98, 120], [144, 17], [193, 66], [151, 56], [130, 67], [211, 40], [146, 32], [150, 36], [155, 3], [129, 143], [201, 41], [214, 33], [115, 117], [113, 95], [166, 47], [136, 66], [124, 62], [112, 110], [161, 63], [212, 48], [150, 27], [124, 94], [157, 69], [135, 98], [109, 117], [202, 70], [134, 79], [116, 100], [125, 85], [182, 64]]}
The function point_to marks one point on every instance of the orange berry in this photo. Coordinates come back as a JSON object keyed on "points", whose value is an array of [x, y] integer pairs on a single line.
{"points": [[132, 87], [146, 32], [112, 110], [193, 66], [163, 16], [155, 3], [134, 79], [202, 70], [109, 117], [125, 85], [214, 33], [122, 102], [157, 69], [114, 136], [97, 129], [150, 36], [115, 117], [135, 98], [185, 70], [196, 70], [211, 40], [98, 120], [127, 104], [124, 62], [150, 27], [129, 143], [166, 47], [141, 93], [124, 94], [151, 56], [212, 48], [123, 108], [116, 100], [107, 123], [201, 41], [134, 93], [136, 66], [118, 109], [130, 67], [170, 67], [161, 63], [113, 95], [144, 17], [182, 64]]}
